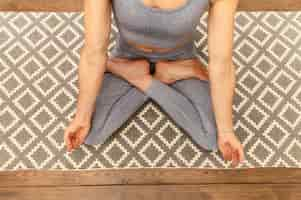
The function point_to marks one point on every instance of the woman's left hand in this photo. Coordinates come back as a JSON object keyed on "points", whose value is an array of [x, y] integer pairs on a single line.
{"points": [[231, 148]]}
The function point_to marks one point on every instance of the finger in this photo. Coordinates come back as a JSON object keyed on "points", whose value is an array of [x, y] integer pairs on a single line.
{"points": [[225, 151], [241, 154], [69, 144], [235, 158], [228, 151], [80, 137], [67, 140], [71, 139], [74, 141], [77, 141], [68, 136]]}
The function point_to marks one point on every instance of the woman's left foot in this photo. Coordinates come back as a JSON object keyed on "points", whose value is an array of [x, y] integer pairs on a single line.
{"points": [[169, 72]]}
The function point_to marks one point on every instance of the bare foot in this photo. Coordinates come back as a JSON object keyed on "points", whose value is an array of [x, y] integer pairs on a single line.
{"points": [[135, 71], [127, 68], [171, 71]]}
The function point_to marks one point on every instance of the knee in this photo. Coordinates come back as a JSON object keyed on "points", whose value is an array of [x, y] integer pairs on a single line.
{"points": [[212, 144], [211, 131], [89, 140], [208, 143], [210, 135]]}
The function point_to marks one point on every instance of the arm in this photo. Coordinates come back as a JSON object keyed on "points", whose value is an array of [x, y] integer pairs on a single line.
{"points": [[222, 74], [92, 65], [93, 55], [220, 66]]}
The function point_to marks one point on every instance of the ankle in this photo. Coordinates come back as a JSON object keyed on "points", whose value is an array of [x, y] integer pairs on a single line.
{"points": [[161, 71], [142, 82], [197, 72], [110, 65]]}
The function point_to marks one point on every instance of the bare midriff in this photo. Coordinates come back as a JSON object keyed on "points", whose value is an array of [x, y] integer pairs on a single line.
{"points": [[152, 49]]}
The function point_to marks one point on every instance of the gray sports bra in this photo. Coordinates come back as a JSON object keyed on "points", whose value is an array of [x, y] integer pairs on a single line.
{"points": [[156, 27]]}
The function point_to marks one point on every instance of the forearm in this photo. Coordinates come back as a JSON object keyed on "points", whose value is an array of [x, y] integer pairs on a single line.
{"points": [[222, 86], [90, 75]]}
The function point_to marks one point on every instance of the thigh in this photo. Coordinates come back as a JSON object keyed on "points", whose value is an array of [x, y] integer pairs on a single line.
{"points": [[198, 91], [120, 112], [112, 88]]}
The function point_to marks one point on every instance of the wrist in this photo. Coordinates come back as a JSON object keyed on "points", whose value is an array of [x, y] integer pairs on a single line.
{"points": [[83, 115], [84, 112], [226, 131]]}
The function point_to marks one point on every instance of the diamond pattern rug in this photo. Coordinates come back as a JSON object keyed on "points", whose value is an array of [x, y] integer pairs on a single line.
{"points": [[38, 88]]}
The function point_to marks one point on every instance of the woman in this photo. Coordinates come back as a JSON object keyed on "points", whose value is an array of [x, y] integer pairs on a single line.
{"points": [[112, 88]]}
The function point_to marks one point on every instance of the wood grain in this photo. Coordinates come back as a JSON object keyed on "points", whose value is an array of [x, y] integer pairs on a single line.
{"points": [[149, 176], [77, 5], [157, 192]]}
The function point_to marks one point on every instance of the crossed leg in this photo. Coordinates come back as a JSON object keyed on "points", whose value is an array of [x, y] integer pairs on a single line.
{"points": [[187, 102], [117, 100]]}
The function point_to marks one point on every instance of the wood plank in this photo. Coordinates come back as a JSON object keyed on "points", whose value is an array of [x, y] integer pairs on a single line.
{"points": [[77, 5], [269, 5], [146, 176], [158, 192], [41, 5]]}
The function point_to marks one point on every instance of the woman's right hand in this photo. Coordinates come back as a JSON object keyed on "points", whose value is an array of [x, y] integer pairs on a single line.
{"points": [[76, 132]]}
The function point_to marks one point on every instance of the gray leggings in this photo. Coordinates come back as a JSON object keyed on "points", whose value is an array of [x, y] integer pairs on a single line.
{"points": [[187, 101]]}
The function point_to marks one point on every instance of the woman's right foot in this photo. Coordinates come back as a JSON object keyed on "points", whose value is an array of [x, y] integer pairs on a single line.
{"points": [[127, 68], [135, 72]]}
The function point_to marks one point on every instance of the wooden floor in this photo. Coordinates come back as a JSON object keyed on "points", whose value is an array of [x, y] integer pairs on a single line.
{"points": [[152, 183], [77, 5]]}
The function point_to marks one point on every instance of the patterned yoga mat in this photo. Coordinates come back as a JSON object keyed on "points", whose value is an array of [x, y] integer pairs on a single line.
{"points": [[39, 53]]}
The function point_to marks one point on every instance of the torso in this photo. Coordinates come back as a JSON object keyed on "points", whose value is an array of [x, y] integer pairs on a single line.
{"points": [[169, 6], [174, 4]]}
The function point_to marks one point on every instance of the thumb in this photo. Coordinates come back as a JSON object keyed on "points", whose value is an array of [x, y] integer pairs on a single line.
{"points": [[69, 132], [83, 134]]}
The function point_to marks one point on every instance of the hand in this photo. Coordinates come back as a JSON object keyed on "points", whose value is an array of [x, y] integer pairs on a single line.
{"points": [[76, 133], [231, 148]]}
